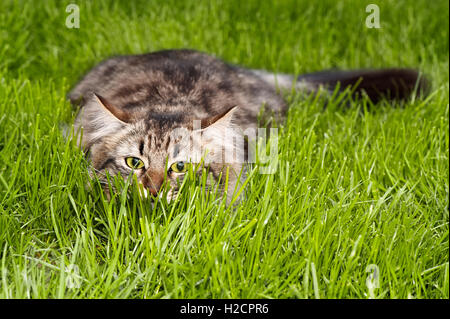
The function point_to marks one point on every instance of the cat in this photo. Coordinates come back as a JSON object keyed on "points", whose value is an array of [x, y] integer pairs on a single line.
{"points": [[132, 105]]}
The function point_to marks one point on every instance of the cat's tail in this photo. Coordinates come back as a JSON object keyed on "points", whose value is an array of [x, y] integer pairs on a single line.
{"points": [[395, 83]]}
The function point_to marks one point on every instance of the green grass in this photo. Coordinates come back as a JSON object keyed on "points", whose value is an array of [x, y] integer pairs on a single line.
{"points": [[353, 188]]}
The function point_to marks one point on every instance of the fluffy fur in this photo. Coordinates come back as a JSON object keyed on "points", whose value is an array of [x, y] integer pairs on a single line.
{"points": [[137, 105]]}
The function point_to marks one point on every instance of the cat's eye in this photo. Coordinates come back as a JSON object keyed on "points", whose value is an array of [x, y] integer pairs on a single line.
{"points": [[134, 162], [179, 167]]}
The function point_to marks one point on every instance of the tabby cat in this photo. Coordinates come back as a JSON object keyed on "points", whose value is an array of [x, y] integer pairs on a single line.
{"points": [[132, 105]]}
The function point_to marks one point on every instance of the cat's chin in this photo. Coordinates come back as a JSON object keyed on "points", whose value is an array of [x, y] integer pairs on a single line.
{"points": [[170, 196]]}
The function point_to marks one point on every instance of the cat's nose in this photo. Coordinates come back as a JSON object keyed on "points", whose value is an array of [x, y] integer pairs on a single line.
{"points": [[153, 182], [153, 191]]}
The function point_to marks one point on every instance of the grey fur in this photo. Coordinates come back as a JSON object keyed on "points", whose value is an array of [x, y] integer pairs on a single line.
{"points": [[142, 98]]}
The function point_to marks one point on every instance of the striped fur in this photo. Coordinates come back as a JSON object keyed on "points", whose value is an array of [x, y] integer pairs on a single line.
{"points": [[132, 105]]}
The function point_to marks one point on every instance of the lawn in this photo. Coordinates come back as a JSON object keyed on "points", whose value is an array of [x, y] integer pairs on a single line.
{"points": [[358, 191]]}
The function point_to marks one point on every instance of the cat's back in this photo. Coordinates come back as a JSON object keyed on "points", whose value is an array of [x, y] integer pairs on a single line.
{"points": [[178, 82], [158, 75]]}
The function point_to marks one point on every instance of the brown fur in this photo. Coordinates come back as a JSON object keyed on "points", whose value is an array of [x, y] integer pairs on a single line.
{"points": [[132, 104]]}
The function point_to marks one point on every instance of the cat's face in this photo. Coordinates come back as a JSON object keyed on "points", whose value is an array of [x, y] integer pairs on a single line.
{"points": [[159, 149], [155, 156]]}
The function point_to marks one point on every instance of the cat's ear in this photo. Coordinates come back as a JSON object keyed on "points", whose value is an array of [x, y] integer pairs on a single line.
{"points": [[222, 120], [98, 119], [111, 109]]}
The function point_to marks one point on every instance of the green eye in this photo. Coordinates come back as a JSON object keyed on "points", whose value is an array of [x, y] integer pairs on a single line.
{"points": [[179, 167], [134, 162]]}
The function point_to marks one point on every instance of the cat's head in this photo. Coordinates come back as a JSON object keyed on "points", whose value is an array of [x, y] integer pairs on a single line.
{"points": [[158, 148]]}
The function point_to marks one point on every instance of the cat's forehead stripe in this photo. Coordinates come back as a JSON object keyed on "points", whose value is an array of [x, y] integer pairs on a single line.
{"points": [[154, 142], [167, 141], [141, 148]]}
